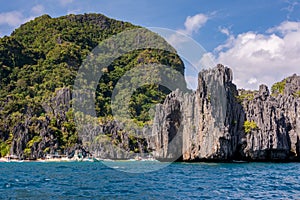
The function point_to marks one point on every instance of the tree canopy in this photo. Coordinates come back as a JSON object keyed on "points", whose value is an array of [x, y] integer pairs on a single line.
{"points": [[45, 54]]}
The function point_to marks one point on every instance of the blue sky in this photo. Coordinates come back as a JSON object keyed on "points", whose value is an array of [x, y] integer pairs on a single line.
{"points": [[258, 39]]}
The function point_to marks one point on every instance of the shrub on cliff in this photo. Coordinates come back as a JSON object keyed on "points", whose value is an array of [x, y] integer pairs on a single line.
{"points": [[278, 88], [250, 126]]}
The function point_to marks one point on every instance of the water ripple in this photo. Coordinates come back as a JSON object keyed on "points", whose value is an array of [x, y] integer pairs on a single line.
{"points": [[177, 181]]}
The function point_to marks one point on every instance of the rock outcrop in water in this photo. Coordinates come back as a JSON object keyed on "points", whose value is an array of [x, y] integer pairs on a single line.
{"points": [[211, 123], [278, 124]]}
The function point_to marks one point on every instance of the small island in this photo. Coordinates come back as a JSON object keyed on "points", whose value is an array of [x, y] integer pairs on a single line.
{"points": [[215, 123]]}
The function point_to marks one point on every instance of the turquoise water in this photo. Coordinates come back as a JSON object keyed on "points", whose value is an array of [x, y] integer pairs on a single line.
{"points": [[175, 181]]}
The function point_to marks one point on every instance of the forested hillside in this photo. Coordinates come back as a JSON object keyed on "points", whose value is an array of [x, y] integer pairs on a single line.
{"points": [[38, 65]]}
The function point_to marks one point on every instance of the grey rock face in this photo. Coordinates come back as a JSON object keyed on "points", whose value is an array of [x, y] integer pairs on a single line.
{"points": [[209, 123], [44, 128], [111, 140], [167, 129], [277, 118], [205, 124], [107, 140]]}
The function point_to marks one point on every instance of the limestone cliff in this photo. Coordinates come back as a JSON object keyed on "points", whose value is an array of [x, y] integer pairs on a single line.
{"points": [[216, 122], [33, 137], [209, 124], [278, 124], [112, 140]]}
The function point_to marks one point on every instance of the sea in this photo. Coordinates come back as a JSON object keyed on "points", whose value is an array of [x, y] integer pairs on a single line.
{"points": [[149, 180]]}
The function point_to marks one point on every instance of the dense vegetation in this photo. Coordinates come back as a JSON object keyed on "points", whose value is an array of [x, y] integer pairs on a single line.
{"points": [[43, 56]]}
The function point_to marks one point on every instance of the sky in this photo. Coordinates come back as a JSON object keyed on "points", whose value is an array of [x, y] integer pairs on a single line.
{"points": [[258, 39]]}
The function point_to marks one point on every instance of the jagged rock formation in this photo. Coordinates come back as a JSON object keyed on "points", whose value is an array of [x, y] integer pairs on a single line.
{"points": [[209, 124], [107, 140], [206, 122], [48, 129], [112, 140], [205, 125], [278, 124]]}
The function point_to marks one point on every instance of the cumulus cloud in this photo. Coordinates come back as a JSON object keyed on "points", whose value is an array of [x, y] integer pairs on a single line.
{"points": [[285, 27], [194, 23], [229, 41], [194, 53], [13, 18], [262, 58]]}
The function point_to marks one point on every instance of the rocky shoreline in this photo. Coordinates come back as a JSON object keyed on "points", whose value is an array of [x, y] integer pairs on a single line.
{"points": [[215, 123]]}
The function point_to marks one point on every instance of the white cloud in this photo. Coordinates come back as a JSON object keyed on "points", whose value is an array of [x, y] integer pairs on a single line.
{"points": [[262, 58], [13, 18], [286, 27], [181, 39], [227, 44], [194, 23], [291, 4], [38, 10], [225, 31], [195, 54]]}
